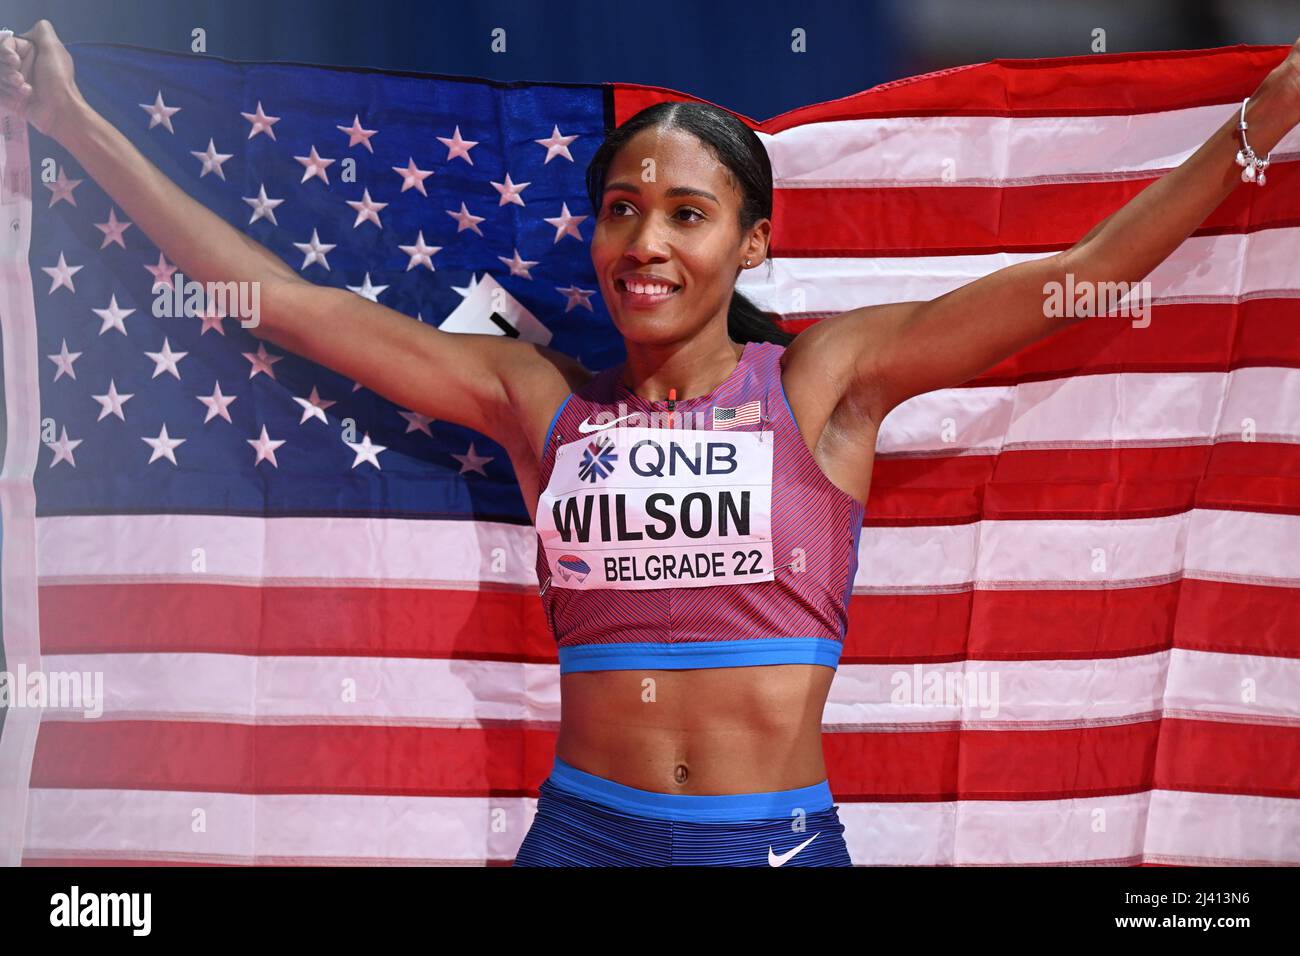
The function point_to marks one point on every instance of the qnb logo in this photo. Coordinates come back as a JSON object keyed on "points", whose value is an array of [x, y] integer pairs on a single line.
{"points": [[597, 460], [102, 909]]}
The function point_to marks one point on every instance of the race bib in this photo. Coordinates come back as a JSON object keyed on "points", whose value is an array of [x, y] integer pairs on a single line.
{"points": [[644, 508]]}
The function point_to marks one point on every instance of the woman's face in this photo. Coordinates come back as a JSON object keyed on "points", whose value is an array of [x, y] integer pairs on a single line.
{"points": [[669, 210]]}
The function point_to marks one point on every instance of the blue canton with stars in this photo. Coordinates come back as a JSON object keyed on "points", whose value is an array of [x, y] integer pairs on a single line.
{"points": [[219, 421]]}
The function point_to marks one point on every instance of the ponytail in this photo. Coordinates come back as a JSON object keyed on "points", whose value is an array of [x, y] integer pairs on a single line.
{"points": [[746, 322]]}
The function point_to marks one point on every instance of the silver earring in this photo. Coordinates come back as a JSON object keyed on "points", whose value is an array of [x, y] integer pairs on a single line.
{"points": [[746, 262]]}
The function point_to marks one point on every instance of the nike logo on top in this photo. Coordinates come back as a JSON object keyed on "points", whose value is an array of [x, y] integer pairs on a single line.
{"points": [[774, 860], [585, 425]]}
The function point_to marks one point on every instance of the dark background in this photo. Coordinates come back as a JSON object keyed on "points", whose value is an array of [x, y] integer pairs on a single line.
{"points": [[735, 54]]}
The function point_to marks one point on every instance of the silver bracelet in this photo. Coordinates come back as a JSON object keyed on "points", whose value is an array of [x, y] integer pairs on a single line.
{"points": [[1252, 166]]}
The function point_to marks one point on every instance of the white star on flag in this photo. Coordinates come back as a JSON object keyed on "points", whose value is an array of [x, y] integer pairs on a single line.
{"points": [[458, 147], [61, 274], [165, 361], [164, 446], [556, 145], [112, 402], [566, 224], [313, 165], [471, 461], [368, 291], [160, 113], [112, 316], [162, 273], [212, 160], [63, 361], [358, 135], [211, 317], [421, 255], [313, 406], [576, 297], [262, 360], [518, 266], [365, 450], [367, 208], [113, 229], [63, 448], [262, 207], [510, 191], [62, 188], [261, 122], [265, 448], [216, 403], [314, 251], [416, 422], [413, 177], [465, 219]]}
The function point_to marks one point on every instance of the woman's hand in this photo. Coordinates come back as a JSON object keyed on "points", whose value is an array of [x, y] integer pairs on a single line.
{"points": [[36, 72]]}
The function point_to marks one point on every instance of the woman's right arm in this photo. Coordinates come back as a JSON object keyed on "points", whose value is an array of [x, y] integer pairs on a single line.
{"points": [[471, 379]]}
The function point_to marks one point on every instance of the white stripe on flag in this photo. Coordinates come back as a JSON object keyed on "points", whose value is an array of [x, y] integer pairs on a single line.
{"points": [[1155, 826], [992, 150], [419, 692], [1210, 544], [1221, 268]]}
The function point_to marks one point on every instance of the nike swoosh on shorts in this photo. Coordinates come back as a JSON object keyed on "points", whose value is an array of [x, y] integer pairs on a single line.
{"points": [[774, 860]]}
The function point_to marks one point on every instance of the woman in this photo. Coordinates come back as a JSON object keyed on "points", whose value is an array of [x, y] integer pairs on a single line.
{"points": [[692, 687]]}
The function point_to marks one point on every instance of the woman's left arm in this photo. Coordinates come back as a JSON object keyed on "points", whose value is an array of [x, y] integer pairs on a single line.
{"points": [[908, 348]]}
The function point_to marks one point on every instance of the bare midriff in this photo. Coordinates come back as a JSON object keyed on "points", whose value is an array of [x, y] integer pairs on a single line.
{"points": [[720, 730]]}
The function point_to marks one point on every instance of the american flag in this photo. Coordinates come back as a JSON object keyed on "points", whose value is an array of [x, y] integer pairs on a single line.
{"points": [[1072, 637], [747, 414]]}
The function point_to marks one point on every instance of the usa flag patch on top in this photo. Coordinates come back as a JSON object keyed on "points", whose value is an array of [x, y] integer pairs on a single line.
{"points": [[747, 414]]}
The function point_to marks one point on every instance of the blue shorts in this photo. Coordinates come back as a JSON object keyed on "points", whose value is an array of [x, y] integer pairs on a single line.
{"points": [[585, 820]]}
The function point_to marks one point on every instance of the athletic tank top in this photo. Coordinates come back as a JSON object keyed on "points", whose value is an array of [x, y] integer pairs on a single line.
{"points": [[703, 537]]}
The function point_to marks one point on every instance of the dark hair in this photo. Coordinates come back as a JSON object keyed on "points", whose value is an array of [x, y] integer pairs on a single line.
{"points": [[744, 156]]}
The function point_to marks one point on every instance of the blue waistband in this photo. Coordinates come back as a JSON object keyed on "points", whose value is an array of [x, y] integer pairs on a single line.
{"points": [[691, 655], [727, 807]]}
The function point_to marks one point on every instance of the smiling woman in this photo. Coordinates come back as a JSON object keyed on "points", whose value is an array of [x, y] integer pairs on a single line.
{"points": [[719, 194], [697, 582]]}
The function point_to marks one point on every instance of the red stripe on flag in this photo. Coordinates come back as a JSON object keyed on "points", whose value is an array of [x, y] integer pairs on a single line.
{"points": [[908, 765], [1050, 624], [509, 761], [294, 621], [1095, 85], [1182, 337], [1165, 754], [974, 220], [1030, 624]]}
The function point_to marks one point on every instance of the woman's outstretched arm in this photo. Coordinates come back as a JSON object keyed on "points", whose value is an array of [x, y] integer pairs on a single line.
{"points": [[473, 380], [894, 352]]}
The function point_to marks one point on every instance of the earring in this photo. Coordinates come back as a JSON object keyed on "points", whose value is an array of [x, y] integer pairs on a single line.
{"points": [[746, 262]]}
